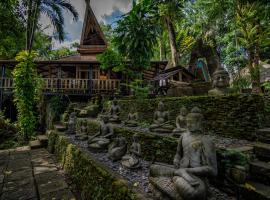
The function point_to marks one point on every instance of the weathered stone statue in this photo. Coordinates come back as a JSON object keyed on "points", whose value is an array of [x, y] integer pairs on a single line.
{"points": [[181, 124], [161, 123], [117, 149], [82, 135], [195, 160], [115, 112], [132, 120], [132, 159], [102, 139], [71, 124], [221, 82]]}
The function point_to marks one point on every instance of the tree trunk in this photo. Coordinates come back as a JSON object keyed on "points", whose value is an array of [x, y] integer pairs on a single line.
{"points": [[161, 49], [28, 26], [254, 68], [172, 38], [34, 22]]}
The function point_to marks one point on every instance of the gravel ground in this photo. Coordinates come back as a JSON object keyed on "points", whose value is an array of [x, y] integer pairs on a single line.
{"points": [[139, 177]]}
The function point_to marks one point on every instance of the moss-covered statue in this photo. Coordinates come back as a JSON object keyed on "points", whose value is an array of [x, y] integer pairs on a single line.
{"points": [[115, 112], [132, 120], [221, 82], [82, 135], [102, 139], [195, 160], [71, 125], [117, 149], [132, 159], [161, 123], [181, 124]]}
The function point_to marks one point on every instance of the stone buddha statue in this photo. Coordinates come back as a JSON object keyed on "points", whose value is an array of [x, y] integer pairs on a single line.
{"points": [[71, 125], [82, 135], [161, 123], [132, 120], [101, 140], [117, 149], [195, 160], [181, 125], [132, 159], [115, 112], [221, 82]]}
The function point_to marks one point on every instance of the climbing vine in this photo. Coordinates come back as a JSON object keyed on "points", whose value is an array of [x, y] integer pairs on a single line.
{"points": [[27, 90]]}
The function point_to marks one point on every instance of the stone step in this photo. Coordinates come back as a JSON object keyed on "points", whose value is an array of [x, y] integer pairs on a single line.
{"points": [[242, 149], [60, 127], [43, 140], [35, 144], [263, 135], [262, 151], [254, 191], [260, 171]]}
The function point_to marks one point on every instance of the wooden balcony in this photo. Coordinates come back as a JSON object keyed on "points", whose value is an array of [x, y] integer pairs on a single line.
{"points": [[70, 86]]}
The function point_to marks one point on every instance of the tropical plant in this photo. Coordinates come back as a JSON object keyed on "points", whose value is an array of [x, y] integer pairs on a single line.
{"points": [[11, 30], [139, 90], [27, 88], [136, 35], [168, 12], [253, 32], [53, 9]]}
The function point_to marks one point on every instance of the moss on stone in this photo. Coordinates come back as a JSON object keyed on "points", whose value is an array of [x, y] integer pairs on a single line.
{"points": [[234, 115], [94, 180]]}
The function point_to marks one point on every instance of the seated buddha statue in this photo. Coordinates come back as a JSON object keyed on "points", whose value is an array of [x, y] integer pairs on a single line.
{"points": [[117, 149], [132, 159], [114, 112], [71, 125], [221, 82], [132, 120], [82, 135], [101, 140], [161, 123], [181, 122], [195, 160]]}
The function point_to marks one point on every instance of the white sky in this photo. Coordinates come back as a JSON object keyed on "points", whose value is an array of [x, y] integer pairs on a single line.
{"points": [[101, 9]]}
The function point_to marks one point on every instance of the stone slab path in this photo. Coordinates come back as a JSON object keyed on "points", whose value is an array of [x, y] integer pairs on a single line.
{"points": [[31, 175]]}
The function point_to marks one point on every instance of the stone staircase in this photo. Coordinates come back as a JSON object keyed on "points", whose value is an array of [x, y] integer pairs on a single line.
{"points": [[40, 142], [258, 185]]}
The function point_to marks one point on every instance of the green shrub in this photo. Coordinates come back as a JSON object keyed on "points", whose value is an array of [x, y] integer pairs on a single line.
{"points": [[27, 89]]}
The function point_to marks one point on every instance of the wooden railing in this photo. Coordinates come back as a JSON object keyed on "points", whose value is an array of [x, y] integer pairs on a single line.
{"points": [[60, 85]]}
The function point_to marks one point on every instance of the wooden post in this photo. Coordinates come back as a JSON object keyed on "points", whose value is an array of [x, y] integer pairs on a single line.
{"points": [[2, 85], [59, 75], [90, 78]]}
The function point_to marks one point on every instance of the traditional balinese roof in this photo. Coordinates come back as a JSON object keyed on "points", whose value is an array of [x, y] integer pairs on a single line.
{"points": [[92, 39], [167, 73]]}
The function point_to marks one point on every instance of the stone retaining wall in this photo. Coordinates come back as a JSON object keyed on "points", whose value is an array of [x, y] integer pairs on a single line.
{"points": [[235, 116], [93, 179]]}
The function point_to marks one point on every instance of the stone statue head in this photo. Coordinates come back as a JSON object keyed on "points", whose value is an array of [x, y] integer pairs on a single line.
{"points": [[114, 101], [161, 106], [84, 123], [194, 120], [72, 115], [135, 137], [221, 78], [105, 119], [183, 111]]}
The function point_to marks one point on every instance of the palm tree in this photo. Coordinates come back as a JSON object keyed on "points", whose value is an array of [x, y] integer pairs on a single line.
{"points": [[53, 9], [169, 11]]}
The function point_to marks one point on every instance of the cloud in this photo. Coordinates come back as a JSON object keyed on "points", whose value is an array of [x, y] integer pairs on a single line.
{"points": [[113, 17], [105, 11]]}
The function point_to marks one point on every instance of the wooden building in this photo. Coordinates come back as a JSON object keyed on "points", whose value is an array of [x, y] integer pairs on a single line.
{"points": [[78, 74]]}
